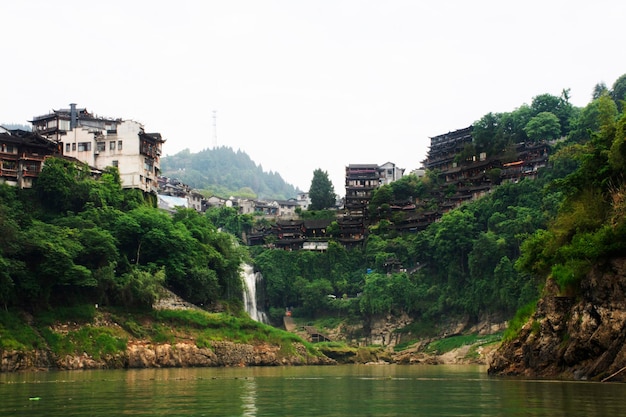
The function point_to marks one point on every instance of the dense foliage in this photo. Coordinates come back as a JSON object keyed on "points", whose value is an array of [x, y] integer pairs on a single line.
{"points": [[224, 172], [489, 256], [463, 264], [75, 239], [591, 225], [321, 192]]}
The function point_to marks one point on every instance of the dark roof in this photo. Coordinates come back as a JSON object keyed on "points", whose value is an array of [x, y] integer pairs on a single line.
{"points": [[317, 223], [24, 137]]}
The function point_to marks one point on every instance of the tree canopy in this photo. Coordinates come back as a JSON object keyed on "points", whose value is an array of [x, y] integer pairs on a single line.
{"points": [[322, 192], [88, 240], [224, 172]]}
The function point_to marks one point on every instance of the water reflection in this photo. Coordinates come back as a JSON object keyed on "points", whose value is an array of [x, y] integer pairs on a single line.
{"points": [[248, 398], [302, 391]]}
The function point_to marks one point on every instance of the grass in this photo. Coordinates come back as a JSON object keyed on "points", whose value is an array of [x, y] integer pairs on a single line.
{"points": [[82, 313], [521, 317], [94, 341], [442, 346], [405, 345], [419, 329], [80, 335], [16, 334], [207, 327]]}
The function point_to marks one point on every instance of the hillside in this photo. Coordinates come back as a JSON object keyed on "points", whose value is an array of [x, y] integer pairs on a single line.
{"points": [[571, 337], [86, 241], [577, 327], [224, 172]]}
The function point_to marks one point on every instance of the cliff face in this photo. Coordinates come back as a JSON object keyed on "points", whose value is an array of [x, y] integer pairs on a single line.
{"points": [[578, 337], [146, 355]]}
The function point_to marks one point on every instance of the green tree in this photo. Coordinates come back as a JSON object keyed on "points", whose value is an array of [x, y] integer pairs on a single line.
{"points": [[559, 106], [487, 134], [322, 192], [58, 185], [544, 126], [598, 90], [618, 92], [314, 294], [51, 254]]}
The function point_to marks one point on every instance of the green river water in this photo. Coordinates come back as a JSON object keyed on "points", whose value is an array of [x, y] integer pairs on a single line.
{"points": [[350, 390]]}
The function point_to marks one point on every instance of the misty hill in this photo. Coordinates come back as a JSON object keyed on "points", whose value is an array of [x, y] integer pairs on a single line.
{"points": [[13, 126], [225, 173]]}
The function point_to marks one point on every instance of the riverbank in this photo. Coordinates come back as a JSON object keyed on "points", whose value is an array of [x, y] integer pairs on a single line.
{"points": [[188, 337], [143, 354], [179, 334], [109, 339]]}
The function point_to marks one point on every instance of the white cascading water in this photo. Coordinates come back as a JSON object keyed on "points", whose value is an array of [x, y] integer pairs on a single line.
{"points": [[250, 280]]}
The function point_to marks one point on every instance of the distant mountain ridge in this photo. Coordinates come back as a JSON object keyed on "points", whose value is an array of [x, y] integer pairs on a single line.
{"points": [[224, 172]]}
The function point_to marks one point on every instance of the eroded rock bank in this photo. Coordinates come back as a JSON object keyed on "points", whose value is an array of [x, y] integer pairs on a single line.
{"points": [[146, 355], [573, 337]]}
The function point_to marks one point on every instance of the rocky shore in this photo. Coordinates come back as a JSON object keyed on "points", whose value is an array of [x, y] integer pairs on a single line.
{"points": [[377, 348], [146, 355], [573, 336], [228, 354]]}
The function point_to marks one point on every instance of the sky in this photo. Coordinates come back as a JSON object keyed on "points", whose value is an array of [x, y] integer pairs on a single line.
{"points": [[304, 85]]}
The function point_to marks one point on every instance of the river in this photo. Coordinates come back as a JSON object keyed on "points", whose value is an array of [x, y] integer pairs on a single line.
{"points": [[347, 390]]}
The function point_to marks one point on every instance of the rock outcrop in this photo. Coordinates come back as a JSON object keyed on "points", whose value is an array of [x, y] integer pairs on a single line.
{"points": [[146, 355], [578, 337]]}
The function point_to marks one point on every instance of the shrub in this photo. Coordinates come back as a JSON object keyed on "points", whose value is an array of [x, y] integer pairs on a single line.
{"points": [[517, 322]]}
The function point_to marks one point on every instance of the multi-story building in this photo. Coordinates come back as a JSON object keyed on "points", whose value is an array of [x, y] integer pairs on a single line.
{"points": [[304, 200], [444, 149], [22, 154], [467, 179], [361, 181], [101, 142], [389, 173]]}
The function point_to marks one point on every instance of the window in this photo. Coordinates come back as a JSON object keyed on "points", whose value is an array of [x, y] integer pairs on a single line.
{"points": [[10, 165], [101, 146], [112, 145], [119, 145], [84, 146], [114, 163], [32, 167], [64, 124], [67, 147], [147, 164], [73, 146]]}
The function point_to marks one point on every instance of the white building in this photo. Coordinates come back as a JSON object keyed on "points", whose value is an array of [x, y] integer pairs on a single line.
{"points": [[389, 173], [103, 142], [304, 200], [286, 208]]}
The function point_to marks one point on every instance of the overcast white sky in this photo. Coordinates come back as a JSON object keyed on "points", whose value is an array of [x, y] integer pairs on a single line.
{"points": [[301, 85]]}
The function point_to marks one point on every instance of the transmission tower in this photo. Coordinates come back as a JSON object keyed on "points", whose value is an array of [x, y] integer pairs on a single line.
{"points": [[214, 129]]}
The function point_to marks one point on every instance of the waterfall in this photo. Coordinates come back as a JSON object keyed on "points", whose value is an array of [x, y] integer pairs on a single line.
{"points": [[251, 280]]}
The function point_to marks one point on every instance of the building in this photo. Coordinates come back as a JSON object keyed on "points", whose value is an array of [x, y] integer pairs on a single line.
{"points": [[444, 149], [172, 187], [389, 173], [361, 181], [101, 142], [304, 200], [287, 208], [467, 179], [22, 155]]}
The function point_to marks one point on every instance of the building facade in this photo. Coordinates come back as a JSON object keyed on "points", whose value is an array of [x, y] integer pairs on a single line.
{"points": [[22, 155], [101, 142], [389, 173]]}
